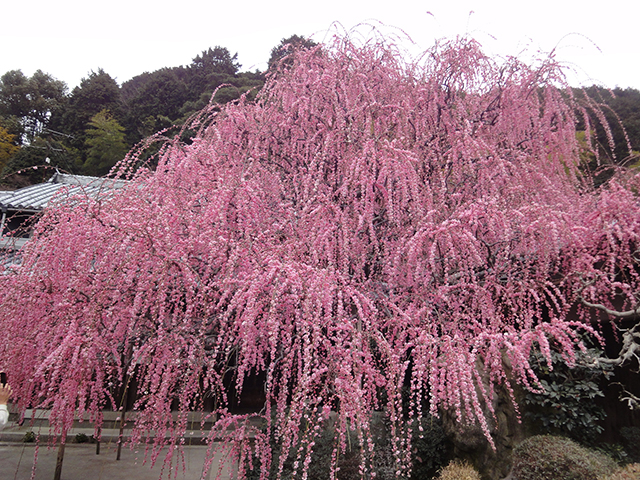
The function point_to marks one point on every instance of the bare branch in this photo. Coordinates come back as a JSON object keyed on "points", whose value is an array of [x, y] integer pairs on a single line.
{"points": [[630, 339], [633, 401], [614, 313], [630, 349]]}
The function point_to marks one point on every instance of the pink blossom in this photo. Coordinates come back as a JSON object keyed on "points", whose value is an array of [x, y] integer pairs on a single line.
{"points": [[364, 224]]}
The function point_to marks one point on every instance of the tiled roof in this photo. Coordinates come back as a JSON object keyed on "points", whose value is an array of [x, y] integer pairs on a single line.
{"points": [[37, 197]]}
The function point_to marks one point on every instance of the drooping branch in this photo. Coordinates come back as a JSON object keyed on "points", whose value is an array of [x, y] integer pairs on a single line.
{"points": [[356, 230]]}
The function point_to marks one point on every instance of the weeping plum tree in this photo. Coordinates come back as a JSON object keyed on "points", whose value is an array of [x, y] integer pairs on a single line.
{"points": [[367, 228]]}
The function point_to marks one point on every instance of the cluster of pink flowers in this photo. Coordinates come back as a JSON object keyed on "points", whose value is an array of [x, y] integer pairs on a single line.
{"points": [[364, 226]]}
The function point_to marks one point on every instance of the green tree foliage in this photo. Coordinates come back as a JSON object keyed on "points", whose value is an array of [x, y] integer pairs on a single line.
{"points": [[152, 100], [156, 100], [207, 72], [567, 403], [32, 101], [621, 108], [96, 92], [287, 46], [8, 146], [105, 143], [35, 162], [218, 60], [14, 91], [13, 127], [39, 107]]}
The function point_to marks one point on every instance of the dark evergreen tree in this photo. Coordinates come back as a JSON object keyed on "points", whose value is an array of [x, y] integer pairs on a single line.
{"points": [[30, 101], [152, 101], [96, 92], [287, 46], [37, 161]]}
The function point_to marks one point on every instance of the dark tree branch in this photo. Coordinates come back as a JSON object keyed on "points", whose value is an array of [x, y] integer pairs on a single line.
{"points": [[630, 338], [614, 313], [633, 401]]}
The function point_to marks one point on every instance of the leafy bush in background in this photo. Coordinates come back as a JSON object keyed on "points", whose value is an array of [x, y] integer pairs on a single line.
{"points": [[320, 465], [429, 453], [567, 406], [430, 450], [615, 451]]}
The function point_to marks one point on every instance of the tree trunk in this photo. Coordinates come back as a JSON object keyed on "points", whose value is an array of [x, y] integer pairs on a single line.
{"points": [[122, 420], [58, 472]]}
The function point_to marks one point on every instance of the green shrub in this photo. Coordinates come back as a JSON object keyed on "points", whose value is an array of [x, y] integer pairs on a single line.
{"points": [[546, 457], [429, 449], [320, 465], [630, 472], [430, 452], [615, 451], [29, 437], [631, 442], [458, 470], [567, 405]]}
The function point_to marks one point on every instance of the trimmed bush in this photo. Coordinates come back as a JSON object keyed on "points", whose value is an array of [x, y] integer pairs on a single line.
{"points": [[545, 457], [457, 470], [630, 472]]}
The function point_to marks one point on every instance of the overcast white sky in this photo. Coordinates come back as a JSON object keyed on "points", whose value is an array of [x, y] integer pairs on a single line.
{"points": [[69, 38]]}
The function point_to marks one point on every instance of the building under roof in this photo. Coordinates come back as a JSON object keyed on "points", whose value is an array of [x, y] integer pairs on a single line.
{"points": [[18, 206]]}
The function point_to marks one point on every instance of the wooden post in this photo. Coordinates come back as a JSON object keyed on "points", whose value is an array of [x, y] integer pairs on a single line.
{"points": [[122, 419], [58, 472], [126, 380], [98, 441]]}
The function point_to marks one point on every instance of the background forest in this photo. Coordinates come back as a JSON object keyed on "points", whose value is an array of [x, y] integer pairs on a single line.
{"points": [[85, 131]]}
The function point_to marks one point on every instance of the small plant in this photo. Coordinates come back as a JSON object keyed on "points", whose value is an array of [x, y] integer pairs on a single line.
{"points": [[429, 448], [558, 458], [320, 464], [82, 438], [615, 451], [29, 437], [457, 470], [631, 442], [567, 404], [629, 472]]}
